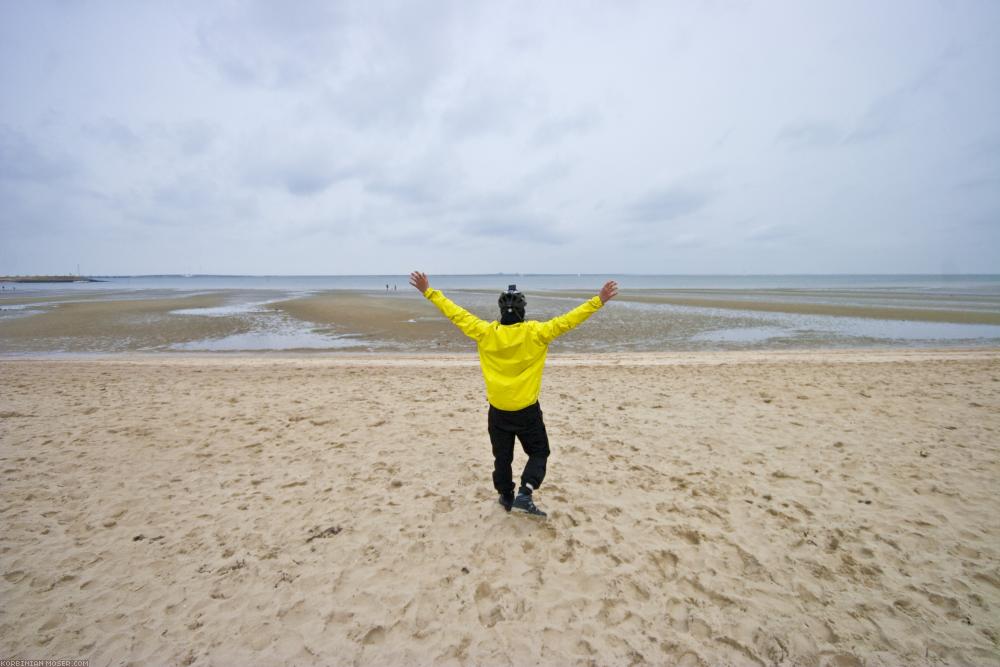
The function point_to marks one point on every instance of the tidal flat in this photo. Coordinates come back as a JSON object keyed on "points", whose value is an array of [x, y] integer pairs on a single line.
{"points": [[639, 320]]}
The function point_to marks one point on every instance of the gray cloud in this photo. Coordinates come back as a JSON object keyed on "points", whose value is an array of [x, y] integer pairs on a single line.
{"points": [[300, 170], [558, 128], [810, 134], [407, 193], [112, 132], [488, 105], [186, 193], [885, 112], [266, 45], [770, 233], [453, 129], [22, 159], [369, 65], [668, 203], [517, 229], [195, 137]]}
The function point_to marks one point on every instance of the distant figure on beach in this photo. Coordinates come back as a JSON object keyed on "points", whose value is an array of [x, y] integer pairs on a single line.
{"points": [[512, 355]]}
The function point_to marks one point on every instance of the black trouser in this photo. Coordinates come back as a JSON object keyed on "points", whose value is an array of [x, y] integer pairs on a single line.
{"points": [[529, 428]]}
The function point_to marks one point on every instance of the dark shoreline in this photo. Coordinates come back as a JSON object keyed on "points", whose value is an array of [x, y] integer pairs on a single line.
{"points": [[49, 279]]}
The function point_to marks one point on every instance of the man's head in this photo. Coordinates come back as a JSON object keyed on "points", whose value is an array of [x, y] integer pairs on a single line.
{"points": [[512, 305]]}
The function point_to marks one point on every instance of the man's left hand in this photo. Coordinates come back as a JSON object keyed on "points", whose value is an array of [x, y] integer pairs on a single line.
{"points": [[420, 281]]}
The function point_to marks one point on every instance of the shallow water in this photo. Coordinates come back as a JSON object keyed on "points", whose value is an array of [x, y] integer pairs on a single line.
{"points": [[271, 330], [275, 340]]}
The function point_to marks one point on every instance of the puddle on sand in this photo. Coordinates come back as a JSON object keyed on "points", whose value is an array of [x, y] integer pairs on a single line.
{"points": [[742, 335], [224, 311], [270, 330], [20, 310], [273, 340]]}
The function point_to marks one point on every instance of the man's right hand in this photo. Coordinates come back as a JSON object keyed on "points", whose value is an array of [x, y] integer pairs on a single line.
{"points": [[609, 291], [419, 280]]}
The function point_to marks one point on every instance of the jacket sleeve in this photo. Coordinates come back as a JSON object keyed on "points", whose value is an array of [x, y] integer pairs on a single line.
{"points": [[557, 326], [471, 326]]}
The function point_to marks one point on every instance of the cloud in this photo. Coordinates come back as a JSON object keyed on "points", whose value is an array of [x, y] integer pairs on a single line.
{"points": [[185, 193], [770, 233], [307, 178], [810, 134], [112, 132], [539, 178], [428, 179], [885, 113], [369, 65], [299, 169], [22, 160], [263, 44], [666, 204], [502, 126], [487, 105], [686, 241], [517, 228], [405, 192], [195, 137], [559, 128]]}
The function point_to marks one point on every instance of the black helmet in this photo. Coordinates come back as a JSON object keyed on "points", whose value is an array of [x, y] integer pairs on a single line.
{"points": [[512, 304]]}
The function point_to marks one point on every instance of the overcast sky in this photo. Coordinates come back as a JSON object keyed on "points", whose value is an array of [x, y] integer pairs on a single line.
{"points": [[475, 137]]}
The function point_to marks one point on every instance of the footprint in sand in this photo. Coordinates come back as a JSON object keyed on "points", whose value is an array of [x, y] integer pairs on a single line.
{"points": [[14, 576], [489, 611], [442, 506], [665, 563], [691, 660], [374, 636]]}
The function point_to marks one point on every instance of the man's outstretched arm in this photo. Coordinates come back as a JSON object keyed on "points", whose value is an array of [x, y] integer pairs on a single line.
{"points": [[470, 325], [557, 326]]}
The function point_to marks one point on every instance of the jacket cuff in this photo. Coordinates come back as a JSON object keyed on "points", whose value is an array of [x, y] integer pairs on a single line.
{"points": [[428, 292]]}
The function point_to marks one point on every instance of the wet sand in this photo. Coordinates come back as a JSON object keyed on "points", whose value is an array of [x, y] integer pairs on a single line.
{"points": [[639, 320], [410, 323], [114, 324], [806, 508], [960, 310], [399, 319]]}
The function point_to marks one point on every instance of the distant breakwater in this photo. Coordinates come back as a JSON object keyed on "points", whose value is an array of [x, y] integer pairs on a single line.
{"points": [[48, 279]]}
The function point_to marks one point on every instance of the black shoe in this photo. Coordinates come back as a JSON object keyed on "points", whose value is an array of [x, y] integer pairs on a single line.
{"points": [[506, 500], [523, 503]]}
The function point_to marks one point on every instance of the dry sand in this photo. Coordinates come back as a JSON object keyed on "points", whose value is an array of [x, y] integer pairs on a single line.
{"points": [[705, 509]]}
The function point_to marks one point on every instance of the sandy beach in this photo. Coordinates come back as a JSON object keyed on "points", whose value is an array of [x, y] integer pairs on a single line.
{"points": [[742, 508]]}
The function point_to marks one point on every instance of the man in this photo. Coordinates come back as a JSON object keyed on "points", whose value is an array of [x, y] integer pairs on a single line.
{"points": [[512, 355]]}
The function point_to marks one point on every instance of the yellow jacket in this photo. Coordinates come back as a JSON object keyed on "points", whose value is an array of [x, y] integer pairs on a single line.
{"points": [[512, 355]]}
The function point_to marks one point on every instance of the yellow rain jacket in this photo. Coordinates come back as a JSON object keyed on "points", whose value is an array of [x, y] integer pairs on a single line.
{"points": [[512, 355]]}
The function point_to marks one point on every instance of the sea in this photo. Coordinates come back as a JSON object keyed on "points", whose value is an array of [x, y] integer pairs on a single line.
{"points": [[917, 283]]}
